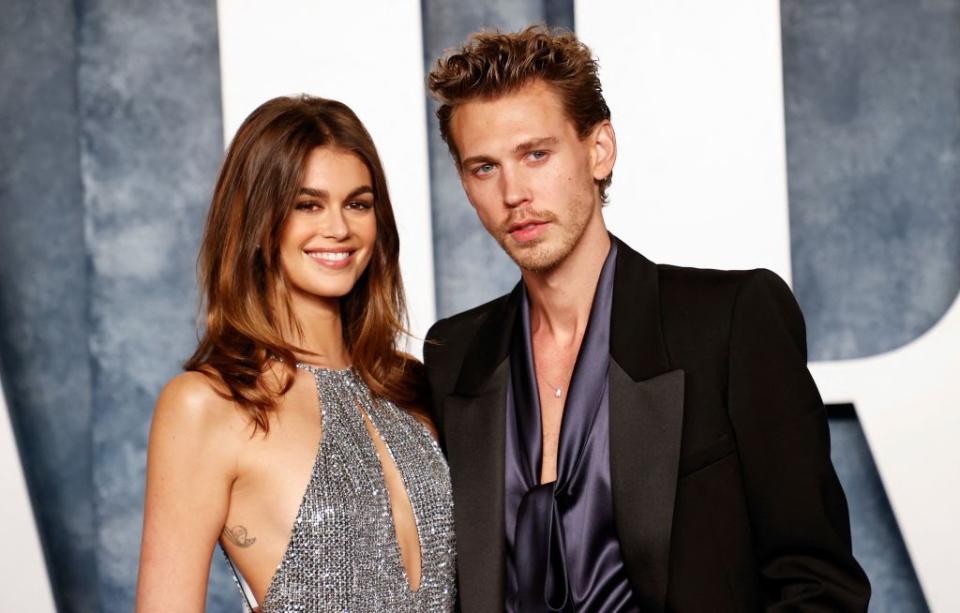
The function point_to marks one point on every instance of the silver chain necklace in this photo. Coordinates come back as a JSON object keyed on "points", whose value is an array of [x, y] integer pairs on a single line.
{"points": [[557, 391]]}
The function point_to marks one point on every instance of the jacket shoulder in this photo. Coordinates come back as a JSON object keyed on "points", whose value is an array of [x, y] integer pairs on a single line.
{"points": [[462, 326], [715, 287], [698, 306], [449, 339], [446, 347]]}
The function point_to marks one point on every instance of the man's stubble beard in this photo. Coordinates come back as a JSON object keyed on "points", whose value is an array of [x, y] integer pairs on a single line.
{"points": [[539, 256]]}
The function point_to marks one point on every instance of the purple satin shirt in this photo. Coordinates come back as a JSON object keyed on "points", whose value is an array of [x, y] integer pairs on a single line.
{"points": [[563, 553]]}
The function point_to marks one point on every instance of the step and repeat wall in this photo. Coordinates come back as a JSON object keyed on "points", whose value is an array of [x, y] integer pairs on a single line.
{"points": [[818, 139]]}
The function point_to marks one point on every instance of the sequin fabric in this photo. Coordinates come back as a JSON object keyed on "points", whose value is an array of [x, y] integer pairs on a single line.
{"points": [[343, 553]]}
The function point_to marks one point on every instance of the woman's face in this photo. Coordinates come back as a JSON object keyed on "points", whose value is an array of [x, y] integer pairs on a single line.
{"points": [[328, 238]]}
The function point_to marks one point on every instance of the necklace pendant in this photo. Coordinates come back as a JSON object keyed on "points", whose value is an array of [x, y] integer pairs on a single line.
{"points": [[557, 392]]}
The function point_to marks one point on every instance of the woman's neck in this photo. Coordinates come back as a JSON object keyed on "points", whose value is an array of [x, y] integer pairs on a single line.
{"points": [[320, 334]]}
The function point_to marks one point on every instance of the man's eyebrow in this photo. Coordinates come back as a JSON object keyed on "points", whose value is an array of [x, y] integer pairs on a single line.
{"points": [[474, 159], [536, 143], [527, 145]]}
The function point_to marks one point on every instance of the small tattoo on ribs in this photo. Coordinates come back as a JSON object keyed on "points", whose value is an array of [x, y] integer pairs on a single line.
{"points": [[238, 536]]}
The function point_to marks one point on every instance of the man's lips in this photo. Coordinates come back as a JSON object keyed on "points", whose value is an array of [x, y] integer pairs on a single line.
{"points": [[527, 229]]}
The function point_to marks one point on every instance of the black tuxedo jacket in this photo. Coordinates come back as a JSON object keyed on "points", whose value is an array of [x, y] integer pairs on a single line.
{"points": [[724, 495]]}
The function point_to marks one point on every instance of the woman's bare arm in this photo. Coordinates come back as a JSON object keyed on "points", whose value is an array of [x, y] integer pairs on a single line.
{"points": [[191, 463]]}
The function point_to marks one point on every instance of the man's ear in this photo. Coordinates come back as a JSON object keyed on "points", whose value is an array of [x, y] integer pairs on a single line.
{"points": [[603, 142]]}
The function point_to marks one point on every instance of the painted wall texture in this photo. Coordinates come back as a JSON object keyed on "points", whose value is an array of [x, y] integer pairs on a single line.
{"points": [[44, 287], [111, 112], [872, 101]]}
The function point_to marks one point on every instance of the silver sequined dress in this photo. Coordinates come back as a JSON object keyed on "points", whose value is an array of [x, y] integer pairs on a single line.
{"points": [[343, 553]]}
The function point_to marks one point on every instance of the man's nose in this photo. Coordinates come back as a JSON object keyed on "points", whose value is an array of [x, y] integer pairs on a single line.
{"points": [[515, 188]]}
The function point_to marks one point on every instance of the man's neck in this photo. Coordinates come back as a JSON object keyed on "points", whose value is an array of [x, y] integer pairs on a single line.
{"points": [[560, 299]]}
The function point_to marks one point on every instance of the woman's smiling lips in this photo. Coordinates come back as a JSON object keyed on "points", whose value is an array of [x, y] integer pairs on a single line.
{"points": [[331, 258]]}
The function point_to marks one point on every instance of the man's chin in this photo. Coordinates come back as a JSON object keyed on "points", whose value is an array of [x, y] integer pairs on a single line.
{"points": [[535, 258]]}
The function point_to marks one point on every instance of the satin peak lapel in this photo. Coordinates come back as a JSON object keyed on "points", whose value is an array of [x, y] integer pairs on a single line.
{"points": [[646, 424], [646, 421], [475, 431]]}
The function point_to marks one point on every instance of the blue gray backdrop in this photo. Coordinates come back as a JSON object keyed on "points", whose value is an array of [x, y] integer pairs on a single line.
{"points": [[110, 113]]}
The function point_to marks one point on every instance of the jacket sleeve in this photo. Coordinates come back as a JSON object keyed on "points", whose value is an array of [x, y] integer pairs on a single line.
{"points": [[798, 512]]}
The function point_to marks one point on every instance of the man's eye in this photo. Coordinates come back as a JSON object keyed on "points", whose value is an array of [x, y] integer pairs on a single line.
{"points": [[483, 169], [538, 155]]}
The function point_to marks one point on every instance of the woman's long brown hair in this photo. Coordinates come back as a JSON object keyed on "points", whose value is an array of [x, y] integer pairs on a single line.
{"points": [[243, 286]]}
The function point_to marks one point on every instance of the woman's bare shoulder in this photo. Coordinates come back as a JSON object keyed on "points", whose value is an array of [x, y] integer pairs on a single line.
{"points": [[197, 402]]}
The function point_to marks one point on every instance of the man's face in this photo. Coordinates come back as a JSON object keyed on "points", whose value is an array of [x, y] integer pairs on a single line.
{"points": [[528, 174]]}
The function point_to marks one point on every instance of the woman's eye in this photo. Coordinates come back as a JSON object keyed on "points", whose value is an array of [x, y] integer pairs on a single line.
{"points": [[308, 206], [359, 205]]}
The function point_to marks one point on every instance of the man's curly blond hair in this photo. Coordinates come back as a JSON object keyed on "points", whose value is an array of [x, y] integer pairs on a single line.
{"points": [[492, 64]]}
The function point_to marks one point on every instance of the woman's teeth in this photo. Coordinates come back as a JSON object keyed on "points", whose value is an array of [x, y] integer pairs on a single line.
{"points": [[330, 256]]}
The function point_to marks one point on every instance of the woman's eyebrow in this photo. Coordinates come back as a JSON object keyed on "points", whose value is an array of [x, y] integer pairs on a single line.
{"points": [[357, 191], [316, 193], [322, 194]]}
